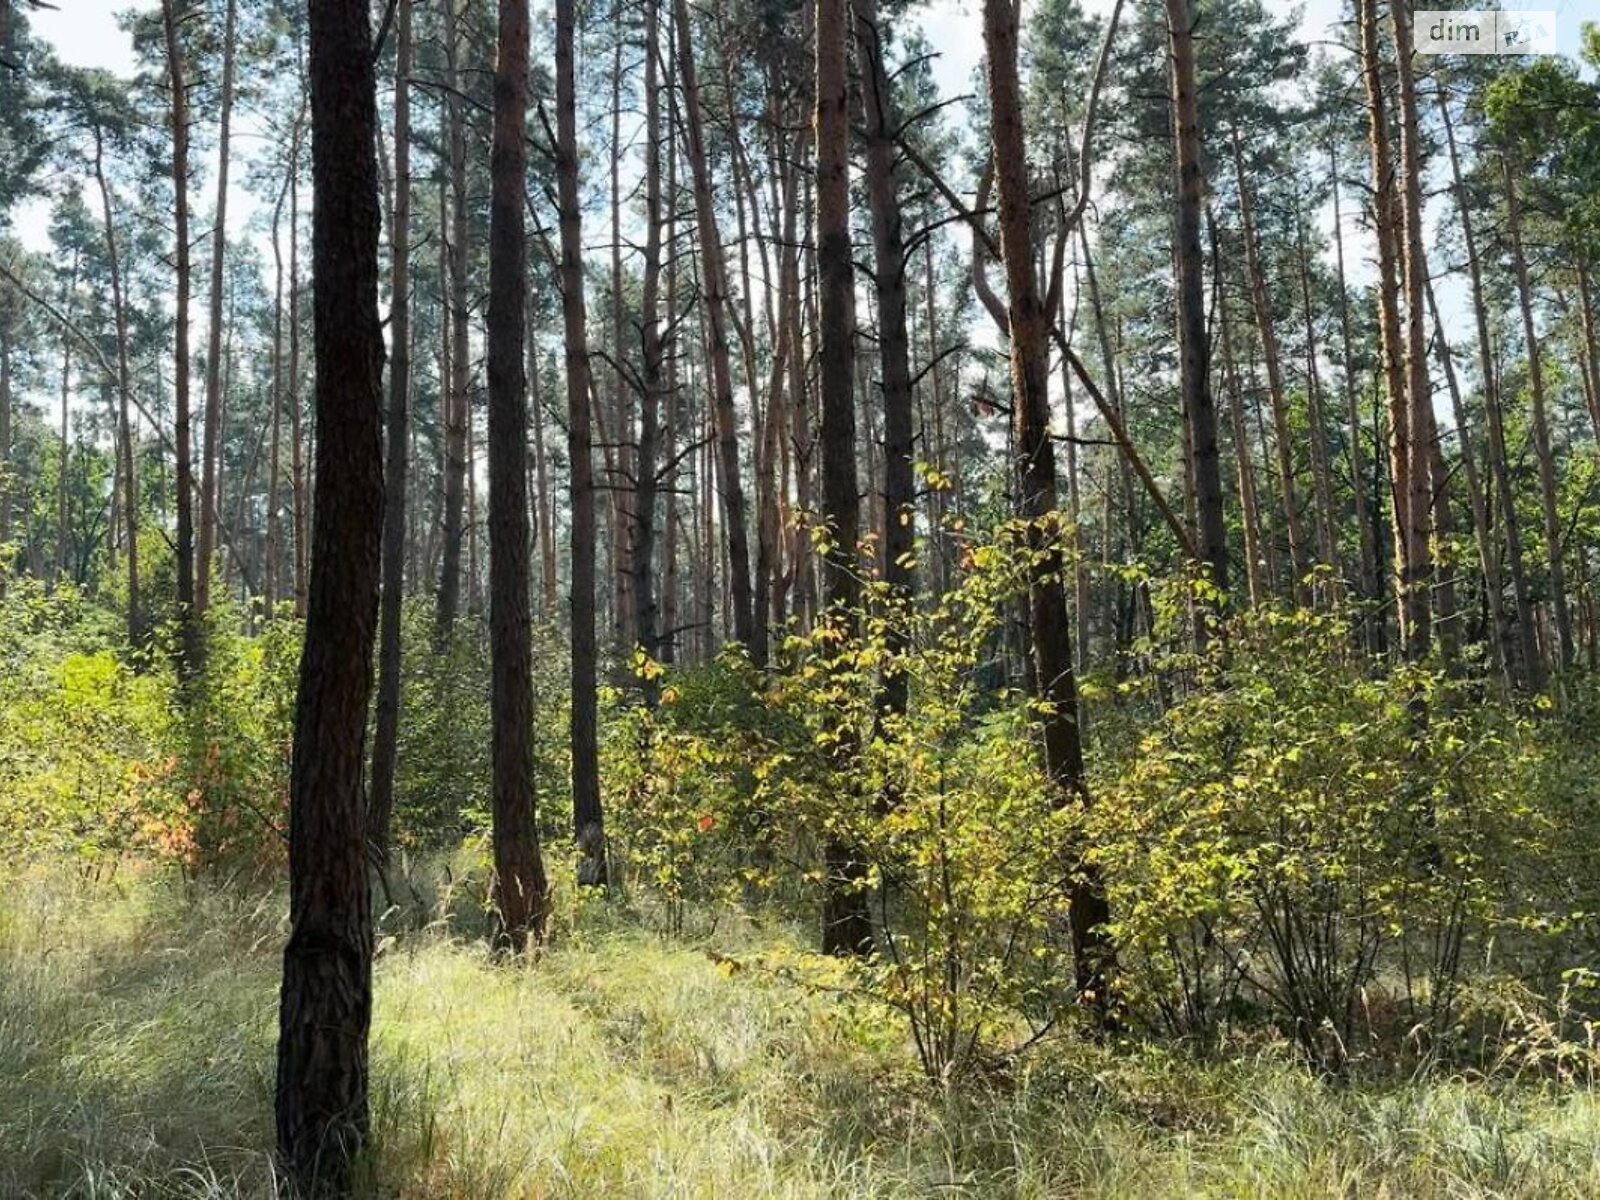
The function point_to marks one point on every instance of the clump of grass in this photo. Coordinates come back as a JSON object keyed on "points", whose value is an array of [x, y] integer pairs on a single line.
{"points": [[137, 1021]]}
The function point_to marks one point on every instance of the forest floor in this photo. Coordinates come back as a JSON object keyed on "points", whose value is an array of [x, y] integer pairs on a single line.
{"points": [[137, 1019]]}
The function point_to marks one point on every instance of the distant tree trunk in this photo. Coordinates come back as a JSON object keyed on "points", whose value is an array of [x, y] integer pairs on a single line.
{"points": [[653, 355], [326, 1004], [1531, 664], [714, 292], [520, 886], [894, 347], [386, 727], [622, 475], [1410, 559], [130, 487], [1427, 496], [297, 438], [1283, 438], [1248, 503], [455, 330], [588, 817], [1549, 498], [1036, 466], [1483, 534], [1321, 476], [1371, 577], [1199, 406], [210, 464], [190, 644], [63, 493]]}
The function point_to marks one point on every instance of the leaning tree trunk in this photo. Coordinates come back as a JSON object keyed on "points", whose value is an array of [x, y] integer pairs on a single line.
{"points": [[326, 1004]]}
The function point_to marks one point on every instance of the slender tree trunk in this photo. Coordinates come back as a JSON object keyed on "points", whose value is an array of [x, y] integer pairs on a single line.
{"points": [[1531, 663], [1283, 438], [455, 330], [1409, 557], [1540, 425], [210, 464], [1198, 404], [1035, 455], [1488, 553], [1248, 503], [1371, 577], [653, 353], [128, 481], [63, 492], [714, 293], [386, 727], [588, 818], [326, 1004], [297, 437], [1425, 497]]}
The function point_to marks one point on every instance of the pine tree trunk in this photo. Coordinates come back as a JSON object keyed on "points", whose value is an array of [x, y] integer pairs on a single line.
{"points": [[520, 886], [326, 1003], [1035, 459], [713, 287], [1283, 435], [386, 728], [588, 818], [1540, 428], [455, 330]]}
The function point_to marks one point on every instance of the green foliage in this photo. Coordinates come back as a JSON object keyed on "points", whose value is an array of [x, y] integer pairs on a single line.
{"points": [[1312, 843]]}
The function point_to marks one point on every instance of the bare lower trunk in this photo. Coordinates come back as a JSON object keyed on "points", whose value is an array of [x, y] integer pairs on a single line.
{"points": [[326, 1002]]}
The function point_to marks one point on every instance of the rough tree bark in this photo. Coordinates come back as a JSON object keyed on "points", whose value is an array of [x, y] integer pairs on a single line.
{"points": [[588, 818], [386, 726], [326, 1003], [520, 886], [1029, 328]]}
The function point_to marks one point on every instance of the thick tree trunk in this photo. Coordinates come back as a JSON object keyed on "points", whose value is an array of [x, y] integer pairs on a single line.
{"points": [[386, 726], [713, 287], [326, 1003], [846, 924], [894, 348], [520, 887], [1035, 456], [588, 818]]}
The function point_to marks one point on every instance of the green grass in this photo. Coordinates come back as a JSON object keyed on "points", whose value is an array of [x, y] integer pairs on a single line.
{"points": [[137, 1018]]}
